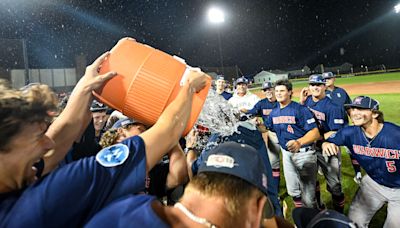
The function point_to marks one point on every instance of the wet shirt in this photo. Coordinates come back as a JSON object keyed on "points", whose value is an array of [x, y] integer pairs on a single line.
{"points": [[245, 102], [132, 211], [379, 156], [226, 95], [291, 122], [329, 115], [71, 195], [263, 108]]}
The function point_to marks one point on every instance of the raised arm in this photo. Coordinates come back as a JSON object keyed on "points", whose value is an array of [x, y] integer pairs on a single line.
{"points": [[160, 138], [76, 115]]}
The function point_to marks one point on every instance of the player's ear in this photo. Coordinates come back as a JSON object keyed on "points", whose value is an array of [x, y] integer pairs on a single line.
{"points": [[375, 115]]}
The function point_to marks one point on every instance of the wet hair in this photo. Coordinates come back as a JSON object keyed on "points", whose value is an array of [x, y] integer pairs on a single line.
{"points": [[380, 117], [286, 83], [235, 191], [110, 137], [32, 104]]}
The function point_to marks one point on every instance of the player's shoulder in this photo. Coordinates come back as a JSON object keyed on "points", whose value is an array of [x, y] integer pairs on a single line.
{"points": [[392, 126]]}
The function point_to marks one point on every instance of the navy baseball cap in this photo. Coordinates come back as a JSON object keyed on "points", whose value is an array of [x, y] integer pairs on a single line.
{"points": [[328, 75], [242, 80], [313, 218], [364, 102], [316, 79], [98, 107], [242, 161], [267, 85], [124, 122]]}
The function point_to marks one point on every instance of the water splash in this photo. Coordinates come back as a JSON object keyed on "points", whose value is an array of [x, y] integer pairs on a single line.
{"points": [[218, 115]]}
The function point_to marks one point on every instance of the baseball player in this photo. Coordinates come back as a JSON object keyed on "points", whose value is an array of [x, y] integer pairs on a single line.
{"points": [[331, 119], [296, 129], [220, 85], [375, 144], [263, 108], [340, 97]]}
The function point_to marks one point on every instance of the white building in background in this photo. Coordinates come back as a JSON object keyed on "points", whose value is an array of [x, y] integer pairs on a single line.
{"points": [[266, 76]]}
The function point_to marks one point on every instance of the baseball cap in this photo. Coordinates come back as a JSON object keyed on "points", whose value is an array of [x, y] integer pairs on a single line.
{"points": [[317, 79], [328, 75], [267, 85], [242, 161], [220, 77], [98, 107], [124, 122], [363, 102], [242, 80], [313, 218]]}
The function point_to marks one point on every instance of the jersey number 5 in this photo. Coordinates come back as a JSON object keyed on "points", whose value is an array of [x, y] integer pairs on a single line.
{"points": [[391, 167]]}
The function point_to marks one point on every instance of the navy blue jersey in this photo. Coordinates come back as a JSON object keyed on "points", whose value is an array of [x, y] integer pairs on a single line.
{"points": [[329, 115], [71, 195], [379, 157], [226, 95], [132, 211], [263, 108], [339, 96], [291, 122]]}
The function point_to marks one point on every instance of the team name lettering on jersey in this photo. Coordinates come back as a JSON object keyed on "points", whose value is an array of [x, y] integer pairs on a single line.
{"points": [[266, 112], [376, 152], [319, 115], [284, 120]]}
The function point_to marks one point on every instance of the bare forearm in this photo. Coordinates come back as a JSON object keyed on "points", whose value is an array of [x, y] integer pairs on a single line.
{"points": [[309, 137], [178, 173]]}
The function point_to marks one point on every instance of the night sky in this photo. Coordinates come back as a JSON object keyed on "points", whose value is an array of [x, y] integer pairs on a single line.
{"points": [[256, 34]]}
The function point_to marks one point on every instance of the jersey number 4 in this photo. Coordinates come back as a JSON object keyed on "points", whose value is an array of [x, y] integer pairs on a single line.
{"points": [[391, 167]]}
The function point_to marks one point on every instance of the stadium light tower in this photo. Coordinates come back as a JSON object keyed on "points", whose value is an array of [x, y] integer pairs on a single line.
{"points": [[216, 16], [397, 8]]}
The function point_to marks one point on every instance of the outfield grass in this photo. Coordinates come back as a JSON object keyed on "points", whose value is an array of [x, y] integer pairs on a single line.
{"points": [[357, 79]]}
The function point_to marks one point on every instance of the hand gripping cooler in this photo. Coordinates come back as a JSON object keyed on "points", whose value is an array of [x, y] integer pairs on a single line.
{"points": [[148, 81]]}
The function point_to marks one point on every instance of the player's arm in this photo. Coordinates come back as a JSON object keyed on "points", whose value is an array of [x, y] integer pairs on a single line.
{"points": [[160, 138], [310, 137], [178, 173], [76, 115]]}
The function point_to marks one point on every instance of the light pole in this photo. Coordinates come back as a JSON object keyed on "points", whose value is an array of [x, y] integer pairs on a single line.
{"points": [[216, 16], [397, 8]]}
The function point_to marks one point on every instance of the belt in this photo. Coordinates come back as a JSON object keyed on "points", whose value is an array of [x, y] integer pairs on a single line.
{"points": [[305, 149]]}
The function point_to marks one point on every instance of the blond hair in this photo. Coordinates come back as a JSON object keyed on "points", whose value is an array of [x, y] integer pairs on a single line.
{"points": [[31, 104]]}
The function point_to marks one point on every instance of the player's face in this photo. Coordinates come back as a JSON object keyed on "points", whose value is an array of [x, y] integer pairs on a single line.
{"points": [[330, 82], [99, 120], [317, 90], [241, 88], [24, 150], [220, 84], [269, 93], [282, 94], [133, 130], [361, 117]]}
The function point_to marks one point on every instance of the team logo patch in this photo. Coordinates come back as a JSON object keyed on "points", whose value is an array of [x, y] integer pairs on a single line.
{"points": [[338, 121], [113, 155], [310, 121], [219, 160], [332, 135], [358, 100]]}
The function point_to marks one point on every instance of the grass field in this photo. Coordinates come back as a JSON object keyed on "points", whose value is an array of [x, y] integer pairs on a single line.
{"points": [[358, 79], [390, 105]]}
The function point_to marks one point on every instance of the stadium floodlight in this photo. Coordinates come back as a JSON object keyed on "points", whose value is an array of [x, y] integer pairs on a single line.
{"points": [[216, 15], [397, 8]]}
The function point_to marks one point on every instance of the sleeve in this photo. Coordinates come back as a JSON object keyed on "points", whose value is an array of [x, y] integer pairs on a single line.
{"points": [[348, 100], [338, 137], [82, 188], [336, 119], [306, 119], [256, 110]]}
